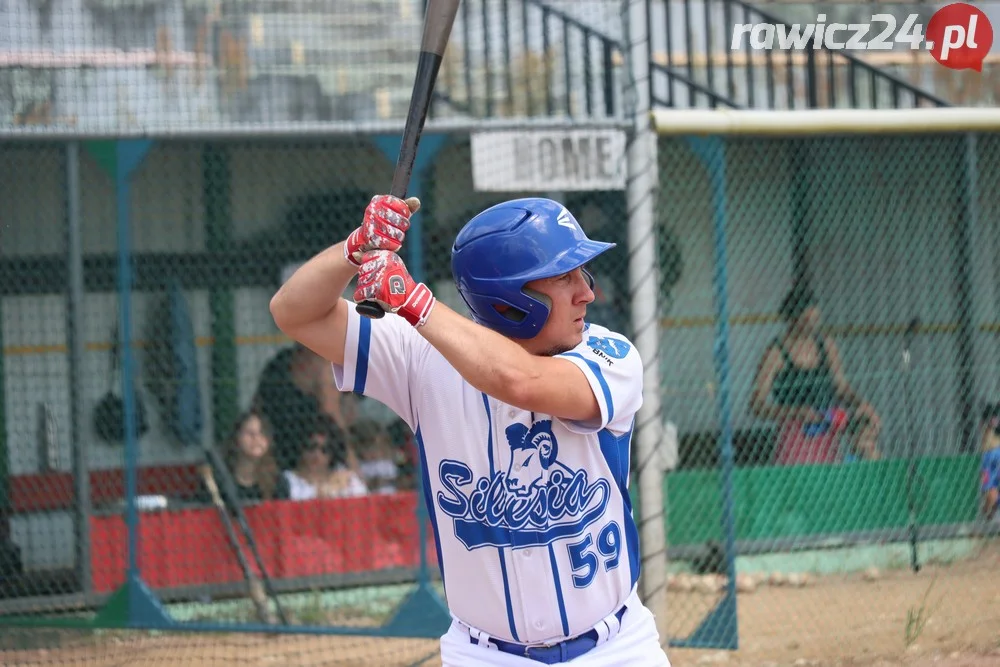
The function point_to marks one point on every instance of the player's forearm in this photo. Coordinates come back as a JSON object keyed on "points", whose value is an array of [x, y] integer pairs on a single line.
{"points": [[488, 361], [313, 290]]}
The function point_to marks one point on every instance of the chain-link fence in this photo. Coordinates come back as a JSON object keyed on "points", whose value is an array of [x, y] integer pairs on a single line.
{"points": [[211, 231], [179, 246], [828, 364], [827, 315]]}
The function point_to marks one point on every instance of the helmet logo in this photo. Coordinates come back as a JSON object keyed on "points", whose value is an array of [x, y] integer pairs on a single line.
{"points": [[565, 219], [397, 285]]}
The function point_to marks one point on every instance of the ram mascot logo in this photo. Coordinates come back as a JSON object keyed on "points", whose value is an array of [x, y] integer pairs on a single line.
{"points": [[535, 500], [532, 457]]}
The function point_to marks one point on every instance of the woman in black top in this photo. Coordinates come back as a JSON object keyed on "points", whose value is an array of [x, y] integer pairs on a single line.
{"points": [[248, 455], [801, 385]]}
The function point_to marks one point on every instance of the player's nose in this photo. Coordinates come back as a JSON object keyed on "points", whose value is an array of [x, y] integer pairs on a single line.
{"points": [[585, 288]]}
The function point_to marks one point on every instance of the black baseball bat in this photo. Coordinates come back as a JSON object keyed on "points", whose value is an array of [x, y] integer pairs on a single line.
{"points": [[439, 16], [257, 593], [232, 498]]}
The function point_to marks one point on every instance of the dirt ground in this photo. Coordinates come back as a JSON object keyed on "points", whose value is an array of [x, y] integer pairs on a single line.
{"points": [[858, 619]]}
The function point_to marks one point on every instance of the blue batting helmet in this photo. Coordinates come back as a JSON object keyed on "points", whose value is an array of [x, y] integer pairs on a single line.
{"points": [[508, 245]]}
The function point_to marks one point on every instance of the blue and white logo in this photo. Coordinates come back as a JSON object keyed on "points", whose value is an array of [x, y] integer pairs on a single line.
{"points": [[608, 349], [533, 458], [535, 501]]}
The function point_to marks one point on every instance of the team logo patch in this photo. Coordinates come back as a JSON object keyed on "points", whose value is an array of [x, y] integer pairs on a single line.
{"points": [[608, 349], [397, 285], [533, 501]]}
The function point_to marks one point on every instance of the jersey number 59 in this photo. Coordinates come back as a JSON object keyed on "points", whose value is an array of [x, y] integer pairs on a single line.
{"points": [[584, 560]]}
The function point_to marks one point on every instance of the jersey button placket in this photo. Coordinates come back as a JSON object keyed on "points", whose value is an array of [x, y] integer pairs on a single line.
{"points": [[499, 440], [528, 565]]}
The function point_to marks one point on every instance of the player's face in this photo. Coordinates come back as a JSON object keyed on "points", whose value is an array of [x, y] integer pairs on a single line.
{"points": [[569, 295], [252, 440]]}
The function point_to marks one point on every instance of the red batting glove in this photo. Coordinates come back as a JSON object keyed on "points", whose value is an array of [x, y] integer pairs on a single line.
{"points": [[385, 223], [383, 278]]}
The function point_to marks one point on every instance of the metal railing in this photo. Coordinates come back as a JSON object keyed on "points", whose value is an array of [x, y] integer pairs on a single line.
{"points": [[527, 58], [691, 52]]}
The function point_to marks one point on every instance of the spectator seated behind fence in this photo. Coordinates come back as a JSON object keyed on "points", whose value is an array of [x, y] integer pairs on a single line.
{"points": [[248, 454], [800, 384], [322, 470], [990, 466], [294, 388], [379, 457]]}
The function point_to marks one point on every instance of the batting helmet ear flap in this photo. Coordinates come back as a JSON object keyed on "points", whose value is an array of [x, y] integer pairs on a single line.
{"points": [[529, 311], [515, 314], [510, 312], [541, 298]]}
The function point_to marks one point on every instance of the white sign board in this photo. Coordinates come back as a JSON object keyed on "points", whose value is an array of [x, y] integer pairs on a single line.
{"points": [[548, 160]]}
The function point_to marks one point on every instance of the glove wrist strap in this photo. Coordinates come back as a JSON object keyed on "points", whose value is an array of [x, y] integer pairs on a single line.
{"points": [[418, 307], [351, 246]]}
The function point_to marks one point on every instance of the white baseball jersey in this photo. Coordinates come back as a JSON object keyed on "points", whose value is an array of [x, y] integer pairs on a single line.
{"points": [[531, 514]]}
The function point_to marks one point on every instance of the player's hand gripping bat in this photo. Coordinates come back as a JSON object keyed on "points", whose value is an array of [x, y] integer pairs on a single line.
{"points": [[439, 17]]}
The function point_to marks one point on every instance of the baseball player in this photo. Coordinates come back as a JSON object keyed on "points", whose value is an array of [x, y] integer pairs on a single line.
{"points": [[523, 416]]}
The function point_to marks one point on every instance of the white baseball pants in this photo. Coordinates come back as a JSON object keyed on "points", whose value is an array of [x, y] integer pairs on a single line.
{"points": [[637, 644]]}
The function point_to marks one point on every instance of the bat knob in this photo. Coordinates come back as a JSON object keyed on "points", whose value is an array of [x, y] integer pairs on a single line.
{"points": [[370, 309]]}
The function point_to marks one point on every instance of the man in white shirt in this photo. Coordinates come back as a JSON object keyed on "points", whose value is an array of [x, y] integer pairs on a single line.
{"points": [[523, 415]]}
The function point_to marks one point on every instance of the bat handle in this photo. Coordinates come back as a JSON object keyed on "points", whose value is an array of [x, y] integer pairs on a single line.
{"points": [[370, 309]]}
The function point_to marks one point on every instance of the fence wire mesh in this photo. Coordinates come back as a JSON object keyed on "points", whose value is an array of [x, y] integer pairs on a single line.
{"points": [[861, 311], [213, 230], [829, 339], [805, 458]]}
